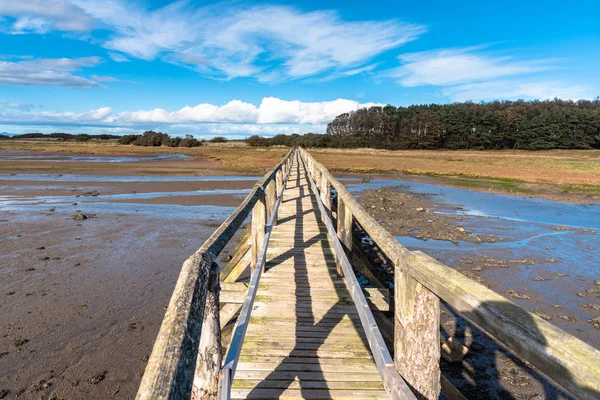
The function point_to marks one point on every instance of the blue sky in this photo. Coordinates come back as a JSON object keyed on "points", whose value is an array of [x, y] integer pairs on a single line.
{"points": [[240, 68]]}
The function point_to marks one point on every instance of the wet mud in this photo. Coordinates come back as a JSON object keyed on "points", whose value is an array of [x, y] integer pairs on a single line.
{"points": [[87, 268]]}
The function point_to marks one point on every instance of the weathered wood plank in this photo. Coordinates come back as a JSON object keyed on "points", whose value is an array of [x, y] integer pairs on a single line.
{"points": [[237, 253], [306, 394]]}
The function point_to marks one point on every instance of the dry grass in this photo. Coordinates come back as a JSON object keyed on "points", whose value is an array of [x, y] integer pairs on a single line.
{"points": [[562, 167]]}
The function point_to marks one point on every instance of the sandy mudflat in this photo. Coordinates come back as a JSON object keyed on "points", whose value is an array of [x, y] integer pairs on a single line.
{"points": [[81, 301]]}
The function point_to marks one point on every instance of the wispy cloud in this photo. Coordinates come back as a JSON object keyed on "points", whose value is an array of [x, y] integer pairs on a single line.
{"points": [[47, 72], [472, 73], [224, 41], [517, 89], [446, 67], [117, 57], [39, 16]]}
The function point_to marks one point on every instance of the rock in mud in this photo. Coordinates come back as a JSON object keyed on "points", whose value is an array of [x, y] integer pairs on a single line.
{"points": [[543, 315], [80, 217], [516, 295], [592, 306], [567, 318], [96, 379], [595, 323], [20, 342]]}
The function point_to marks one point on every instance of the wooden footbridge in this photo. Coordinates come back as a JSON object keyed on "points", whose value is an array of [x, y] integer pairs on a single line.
{"points": [[305, 327]]}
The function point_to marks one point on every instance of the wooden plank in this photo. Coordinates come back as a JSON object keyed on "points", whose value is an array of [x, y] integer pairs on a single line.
{"points": [[308, 367], [240, 267], [306, 394], [312, 376], [237, 253], [285, 384], [233, 292], [228, 311], [306, 360], [321, 353]]}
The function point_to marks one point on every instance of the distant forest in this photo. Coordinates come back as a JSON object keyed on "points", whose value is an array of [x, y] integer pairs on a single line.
{"points": [[526, 125]]}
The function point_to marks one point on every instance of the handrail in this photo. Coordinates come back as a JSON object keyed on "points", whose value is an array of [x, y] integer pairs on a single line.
{"points": [[170, 370], [237, 340], [570, 362], [394, 385]]}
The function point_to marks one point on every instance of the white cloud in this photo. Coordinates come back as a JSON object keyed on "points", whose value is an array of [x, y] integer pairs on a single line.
{"points": [[38, 16], [271, 116], [455, 66], [274, 110], [47, 72], [516, 89], [225, 40]]}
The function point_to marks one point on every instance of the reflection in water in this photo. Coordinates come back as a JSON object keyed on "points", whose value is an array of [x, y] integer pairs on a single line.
{"points": [[30, 200], [108, 178], [19, 156]]}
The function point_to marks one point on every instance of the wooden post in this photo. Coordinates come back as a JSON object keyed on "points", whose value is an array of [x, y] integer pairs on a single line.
{"points": [[279, 186], [325, 189], [208, 363], [259, 222], [271, 198], [344, 229], [417, 335]]}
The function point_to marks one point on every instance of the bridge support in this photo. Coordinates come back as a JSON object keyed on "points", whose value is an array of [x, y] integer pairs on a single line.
{"points": [[417, 335]]}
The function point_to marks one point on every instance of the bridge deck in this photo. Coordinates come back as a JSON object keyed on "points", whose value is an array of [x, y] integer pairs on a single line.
{"points": [[304, 338]]}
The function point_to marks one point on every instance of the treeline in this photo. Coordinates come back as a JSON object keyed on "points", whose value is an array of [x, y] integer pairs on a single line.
{"points": [[526, 125], [529, 125], [151, 138], [83, 137]]}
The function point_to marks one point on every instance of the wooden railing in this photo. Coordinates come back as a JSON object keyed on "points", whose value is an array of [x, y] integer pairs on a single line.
{"points": [[182, 365], [420, 282], [394, 385]]}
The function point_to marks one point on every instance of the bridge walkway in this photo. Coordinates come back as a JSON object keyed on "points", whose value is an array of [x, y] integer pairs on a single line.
{"points": [[304, 338]]}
